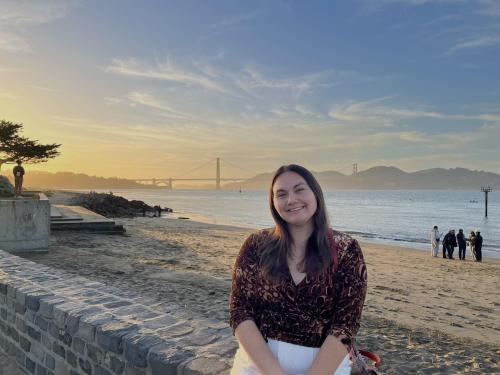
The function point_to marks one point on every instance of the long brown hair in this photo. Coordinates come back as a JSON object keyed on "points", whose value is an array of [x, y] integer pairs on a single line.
{"points": [[273, 261]]}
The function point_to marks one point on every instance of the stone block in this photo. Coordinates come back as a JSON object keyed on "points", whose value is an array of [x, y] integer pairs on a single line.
{"points": [[87, 325], [47, 341], [40, 370], [117, 303], [11, 349], [116, 365], [85, 366], [33, 333], [98, 370], [50, 362], [29, 316], [59, 350], [132, 370], [37, 351], [41, 323], [71, 358], [33, 299], [25, 344], [66, 338], [61, 312], [78, 345], [20, 357], [182, 328], [137, 346], [138, 312], [109, 335], [95, 354], [11, 316], [164, 359], [47, 305], [20, 308], [12, 332], [160, 322], [54, 330], [30, 365], [20, 325], [202, 366]]}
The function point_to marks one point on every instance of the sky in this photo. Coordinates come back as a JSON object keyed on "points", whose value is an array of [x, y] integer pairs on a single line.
{"points": [[143, 89]]}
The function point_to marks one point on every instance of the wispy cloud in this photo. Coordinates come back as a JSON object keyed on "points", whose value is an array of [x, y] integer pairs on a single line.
{"points": [[15, 15], [479, 42], [412, 2], [371, 112], [148, 100], [231, 21], [8, 95], [252, 79], [132, 67], [13, 43], [33, 12], [489, 8]]}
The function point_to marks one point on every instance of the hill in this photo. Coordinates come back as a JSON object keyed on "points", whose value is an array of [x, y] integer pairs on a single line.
{"points": [[387, 178], [70, 180], [381, 177]]}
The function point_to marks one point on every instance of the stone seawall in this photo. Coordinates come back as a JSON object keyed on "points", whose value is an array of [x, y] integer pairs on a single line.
{"points": [[25, 223], [54, 323]]}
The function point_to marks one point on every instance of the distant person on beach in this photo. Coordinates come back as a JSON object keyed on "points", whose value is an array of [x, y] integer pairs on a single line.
{"points": [[435, 236], [479, 247], [449, 244], [472, 244], [18, 172], [462, 244], [298, 288]]}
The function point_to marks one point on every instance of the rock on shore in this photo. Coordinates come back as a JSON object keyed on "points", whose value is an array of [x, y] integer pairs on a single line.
{"points": [[110, 205]]}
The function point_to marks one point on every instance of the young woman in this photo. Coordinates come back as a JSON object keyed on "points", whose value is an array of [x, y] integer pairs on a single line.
{"points": [[293, 309]]}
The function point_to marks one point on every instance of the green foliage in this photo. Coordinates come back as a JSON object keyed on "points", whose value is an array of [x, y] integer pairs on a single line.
{"points": [[13, 146]]}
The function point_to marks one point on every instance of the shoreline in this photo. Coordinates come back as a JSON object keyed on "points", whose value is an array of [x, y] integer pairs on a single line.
{"points": [[422, 314], [372, 238]]}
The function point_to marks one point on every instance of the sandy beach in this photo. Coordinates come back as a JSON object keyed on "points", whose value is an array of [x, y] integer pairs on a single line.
{"points": [[423, 315]]}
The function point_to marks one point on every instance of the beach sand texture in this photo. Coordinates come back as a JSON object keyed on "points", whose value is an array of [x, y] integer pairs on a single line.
{"points": [[423, 315]]}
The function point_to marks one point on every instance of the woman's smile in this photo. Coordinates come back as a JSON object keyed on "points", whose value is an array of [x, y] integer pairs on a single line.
{"points": [[293, 199]]}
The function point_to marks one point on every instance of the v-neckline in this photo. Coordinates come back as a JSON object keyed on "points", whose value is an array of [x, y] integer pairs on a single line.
{"points": [[293, 281]]}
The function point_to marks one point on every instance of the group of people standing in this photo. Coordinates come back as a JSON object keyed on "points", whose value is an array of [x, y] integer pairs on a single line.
{"points": [[452, 240]]}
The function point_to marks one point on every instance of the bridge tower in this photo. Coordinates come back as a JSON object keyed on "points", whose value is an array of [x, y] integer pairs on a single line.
{"points": [[217, 175]]}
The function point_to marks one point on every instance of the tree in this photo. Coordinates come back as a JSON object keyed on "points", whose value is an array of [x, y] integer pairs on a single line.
{"points": [[13, 146]]}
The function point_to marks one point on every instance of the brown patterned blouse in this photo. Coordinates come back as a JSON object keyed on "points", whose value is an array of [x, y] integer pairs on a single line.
{"points": [[303, 314]]}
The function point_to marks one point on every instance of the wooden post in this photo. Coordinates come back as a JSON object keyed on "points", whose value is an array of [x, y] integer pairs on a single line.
{"points": [[485, 190]]}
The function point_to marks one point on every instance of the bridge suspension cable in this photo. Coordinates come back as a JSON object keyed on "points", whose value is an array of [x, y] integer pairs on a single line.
{"points": [[194, 169], [236, 166]]}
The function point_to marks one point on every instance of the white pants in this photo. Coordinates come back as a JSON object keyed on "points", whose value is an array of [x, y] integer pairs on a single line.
{"points": [[434, 248], [294, 359]]}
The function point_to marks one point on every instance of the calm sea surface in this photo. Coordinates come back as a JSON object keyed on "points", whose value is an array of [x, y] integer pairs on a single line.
{"points": [[398, 217]]}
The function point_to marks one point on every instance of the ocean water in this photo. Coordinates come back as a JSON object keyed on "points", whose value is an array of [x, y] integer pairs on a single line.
{"points": [[398, 217]]}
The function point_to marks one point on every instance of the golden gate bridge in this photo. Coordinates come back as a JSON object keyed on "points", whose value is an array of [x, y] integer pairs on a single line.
{"points": [[169, 182]]}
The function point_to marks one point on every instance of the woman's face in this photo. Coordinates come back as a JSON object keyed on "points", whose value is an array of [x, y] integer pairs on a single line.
{"points": [[293, 199]]}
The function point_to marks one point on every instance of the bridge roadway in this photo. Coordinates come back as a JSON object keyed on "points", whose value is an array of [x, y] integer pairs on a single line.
{"points": [[169, 181]]}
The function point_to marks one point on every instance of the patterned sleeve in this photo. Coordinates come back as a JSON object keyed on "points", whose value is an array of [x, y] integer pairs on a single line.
{"points": [[242, 288], [351, 292]]}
